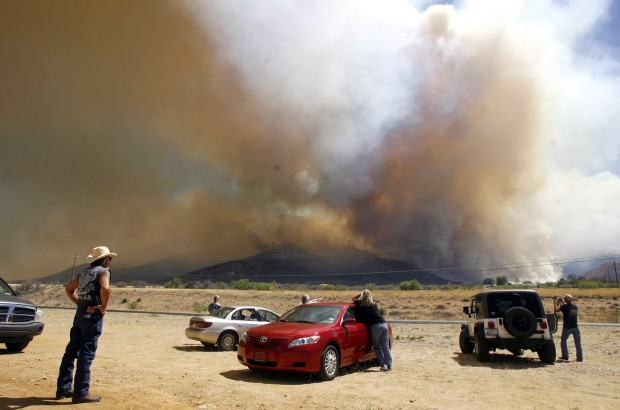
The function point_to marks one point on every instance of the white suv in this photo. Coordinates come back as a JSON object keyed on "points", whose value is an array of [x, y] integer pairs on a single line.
{"points": [[514, 320]]}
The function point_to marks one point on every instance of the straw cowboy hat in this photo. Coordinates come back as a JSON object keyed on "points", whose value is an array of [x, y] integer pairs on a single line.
{"points": [[100, 252]]}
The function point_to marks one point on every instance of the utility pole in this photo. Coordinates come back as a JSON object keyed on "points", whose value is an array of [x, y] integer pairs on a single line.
{"points": [[73, 270]]}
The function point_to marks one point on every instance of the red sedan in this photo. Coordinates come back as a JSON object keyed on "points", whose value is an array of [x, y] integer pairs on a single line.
{"points": [[313, 338]]}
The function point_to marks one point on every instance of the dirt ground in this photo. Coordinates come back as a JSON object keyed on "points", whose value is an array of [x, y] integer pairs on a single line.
{"points": [[144, 361]]}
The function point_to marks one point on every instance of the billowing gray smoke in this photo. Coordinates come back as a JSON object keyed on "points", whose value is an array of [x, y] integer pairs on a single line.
{"points": [[476, 139]]}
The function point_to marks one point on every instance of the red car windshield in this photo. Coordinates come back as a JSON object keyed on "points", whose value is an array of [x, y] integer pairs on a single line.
{"points": [[312, 313]]}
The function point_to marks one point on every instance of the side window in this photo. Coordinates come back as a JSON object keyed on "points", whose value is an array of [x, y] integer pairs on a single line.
{"points": [[254, 316], [478, 306], [266, 316], [349, 313]]}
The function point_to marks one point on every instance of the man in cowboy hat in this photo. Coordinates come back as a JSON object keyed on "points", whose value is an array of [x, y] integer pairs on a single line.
{"points": [[90, 291]]}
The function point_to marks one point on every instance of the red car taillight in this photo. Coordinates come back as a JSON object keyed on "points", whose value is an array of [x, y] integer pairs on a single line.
{"points": [[491, 325], [543, 325], [199, 324]]}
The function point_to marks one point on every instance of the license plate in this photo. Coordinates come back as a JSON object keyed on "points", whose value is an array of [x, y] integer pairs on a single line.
{"points": [[260, 356], [491, 331]]}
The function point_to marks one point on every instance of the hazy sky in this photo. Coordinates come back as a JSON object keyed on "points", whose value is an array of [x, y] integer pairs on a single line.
{"points": [[484, 133]]}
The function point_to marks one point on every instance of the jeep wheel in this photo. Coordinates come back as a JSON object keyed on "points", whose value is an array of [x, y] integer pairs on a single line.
{"points": [[482, 348], [520, 322], [547, 353], [466, 346]]}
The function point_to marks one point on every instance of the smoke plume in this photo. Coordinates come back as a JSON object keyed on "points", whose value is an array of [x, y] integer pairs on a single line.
{"points": [[474, 139]]}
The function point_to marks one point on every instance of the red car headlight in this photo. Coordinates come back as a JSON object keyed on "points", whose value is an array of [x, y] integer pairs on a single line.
{"points": [[304, 341]]}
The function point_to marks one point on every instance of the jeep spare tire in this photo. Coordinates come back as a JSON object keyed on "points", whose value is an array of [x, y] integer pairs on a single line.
{"points": [[520, 322]]}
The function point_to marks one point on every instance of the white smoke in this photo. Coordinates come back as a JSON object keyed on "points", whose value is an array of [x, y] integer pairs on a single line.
{"points": [[375, 88]]}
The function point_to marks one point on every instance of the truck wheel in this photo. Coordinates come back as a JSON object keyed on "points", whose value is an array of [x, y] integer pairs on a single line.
{"points": [[16, 347], [482, 348], [520, 322], [466, 346], [547, 353]]}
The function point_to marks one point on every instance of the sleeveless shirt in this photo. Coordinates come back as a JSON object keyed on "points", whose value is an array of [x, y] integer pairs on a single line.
{"points": [[89, 288]]}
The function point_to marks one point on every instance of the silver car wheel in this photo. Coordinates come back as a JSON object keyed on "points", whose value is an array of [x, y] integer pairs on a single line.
{"points": [[227, 341]]}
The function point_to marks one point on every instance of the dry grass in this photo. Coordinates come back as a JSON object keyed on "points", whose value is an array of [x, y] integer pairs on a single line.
{"points": [[596, 305]]}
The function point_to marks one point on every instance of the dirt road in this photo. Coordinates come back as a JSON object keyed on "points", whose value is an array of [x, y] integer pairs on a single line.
{"points": [[145, 362]]}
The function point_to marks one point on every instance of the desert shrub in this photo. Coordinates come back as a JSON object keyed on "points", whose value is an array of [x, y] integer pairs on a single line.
{"points": [[441, 314], [139, 284], [246, 284], [174, 283], [591, 284], [30, 286], [200, 308], [412, 284], [220, 285], [276, 286], [124, 300], [133, 305], [370, 286], [121, 284]]}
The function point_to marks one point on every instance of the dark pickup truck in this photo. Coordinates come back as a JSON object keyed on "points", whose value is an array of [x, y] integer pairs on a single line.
{"points": [[20, 320]]}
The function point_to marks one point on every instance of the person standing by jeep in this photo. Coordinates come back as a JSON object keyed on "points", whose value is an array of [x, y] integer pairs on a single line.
{"points": [[90, 291], [570, 327], [367, 312]]}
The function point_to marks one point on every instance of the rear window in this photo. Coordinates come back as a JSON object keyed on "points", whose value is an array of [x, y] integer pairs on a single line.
{"points": [[500, 303]]}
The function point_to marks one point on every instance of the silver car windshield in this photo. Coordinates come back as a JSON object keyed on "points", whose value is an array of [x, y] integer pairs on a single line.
{"points": [[312, 314]]}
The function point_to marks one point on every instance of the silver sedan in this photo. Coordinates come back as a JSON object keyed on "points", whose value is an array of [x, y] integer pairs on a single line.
{"points": [[224, 326]]}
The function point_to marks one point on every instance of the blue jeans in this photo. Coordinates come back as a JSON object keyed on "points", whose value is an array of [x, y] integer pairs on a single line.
{"points": [[380, 338], [577, 337], [82, 346]]}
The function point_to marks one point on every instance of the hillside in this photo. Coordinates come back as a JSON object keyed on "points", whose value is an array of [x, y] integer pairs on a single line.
{"points": [[285, 263], [288, 263], [607, 272]]}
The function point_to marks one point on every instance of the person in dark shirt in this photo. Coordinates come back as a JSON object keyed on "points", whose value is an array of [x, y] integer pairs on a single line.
{"points": [[569, 312], [215, 305], [367, 312]]}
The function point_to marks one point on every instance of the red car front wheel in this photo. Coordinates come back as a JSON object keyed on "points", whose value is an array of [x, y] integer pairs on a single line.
{"points": [[330, 362]]}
